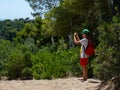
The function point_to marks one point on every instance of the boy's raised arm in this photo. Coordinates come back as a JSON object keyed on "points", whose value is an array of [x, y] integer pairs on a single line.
{"points": [[76, 39]]}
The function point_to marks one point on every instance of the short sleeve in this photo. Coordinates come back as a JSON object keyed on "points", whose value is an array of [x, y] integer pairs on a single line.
{"points": [[84, 42]]}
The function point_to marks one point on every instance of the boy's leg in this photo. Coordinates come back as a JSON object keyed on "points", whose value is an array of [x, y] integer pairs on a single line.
{"points": [[83, 63], [85, 72]]}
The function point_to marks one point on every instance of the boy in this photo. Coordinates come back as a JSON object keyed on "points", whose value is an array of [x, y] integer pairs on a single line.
{"points": [[83, 56]]}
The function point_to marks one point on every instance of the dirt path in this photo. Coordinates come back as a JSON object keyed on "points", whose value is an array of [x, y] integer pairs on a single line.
{"points": [[57, 84]]}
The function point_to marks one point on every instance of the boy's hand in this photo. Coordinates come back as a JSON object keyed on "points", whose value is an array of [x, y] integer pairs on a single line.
{"points": [[76, 36], [75, 33]]}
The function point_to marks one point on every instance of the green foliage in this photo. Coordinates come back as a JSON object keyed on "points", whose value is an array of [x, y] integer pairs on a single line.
{"points": [[108, 51], [42, 6], [74, 15], [9, 28], [28, 31], [31, 30], [50, 65], [15, 65], [26, 73], [18, 63], [6, 48]]}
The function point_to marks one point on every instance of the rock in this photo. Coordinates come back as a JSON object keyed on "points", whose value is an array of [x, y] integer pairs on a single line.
{"points": [[113, 84], [3, 78]]}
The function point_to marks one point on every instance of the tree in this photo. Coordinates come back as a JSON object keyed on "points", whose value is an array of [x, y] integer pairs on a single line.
{"points": [[42, 6], [74, 15], [63, 20], [31, 30], [68, 17], [9, 28]]}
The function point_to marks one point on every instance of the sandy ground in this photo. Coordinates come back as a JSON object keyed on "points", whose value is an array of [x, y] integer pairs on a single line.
{"points": [[57, 84]]}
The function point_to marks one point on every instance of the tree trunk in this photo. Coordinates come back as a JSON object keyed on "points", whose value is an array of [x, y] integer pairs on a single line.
{"points": [[52, 40], [71, 44]]}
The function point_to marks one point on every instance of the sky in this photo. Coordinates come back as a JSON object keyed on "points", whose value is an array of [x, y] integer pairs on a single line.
{"points": [[15, 9]]}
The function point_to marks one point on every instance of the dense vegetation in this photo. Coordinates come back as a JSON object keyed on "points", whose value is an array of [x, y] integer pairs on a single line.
{"points": [[44, 48]]}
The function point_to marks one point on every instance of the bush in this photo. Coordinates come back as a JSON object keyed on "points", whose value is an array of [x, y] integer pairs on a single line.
{"points": [[42, 64], [61, 63], [18, 63], [15, 65], [26, 73], [6, 48], [107, 63]]}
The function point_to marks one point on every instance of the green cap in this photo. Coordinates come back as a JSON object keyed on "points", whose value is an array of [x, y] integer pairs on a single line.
{"points": [[85, 31]]}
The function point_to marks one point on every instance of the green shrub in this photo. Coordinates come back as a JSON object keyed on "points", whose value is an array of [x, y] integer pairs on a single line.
{"points": [[107, 63], [15, 65], [26, 73], [18, 63], [61, 63], [6, 48]]}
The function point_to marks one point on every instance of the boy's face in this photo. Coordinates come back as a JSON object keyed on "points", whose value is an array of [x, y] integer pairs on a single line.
{"points": [[84, 35]]}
